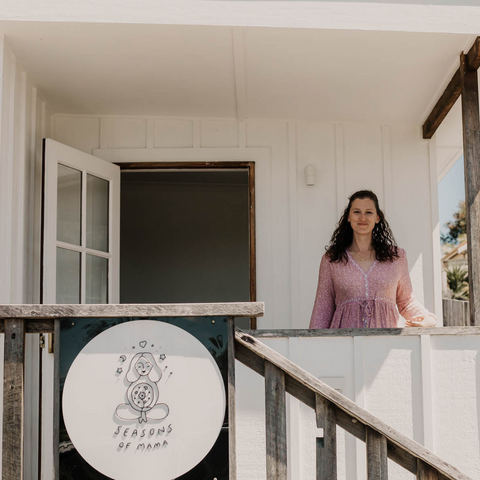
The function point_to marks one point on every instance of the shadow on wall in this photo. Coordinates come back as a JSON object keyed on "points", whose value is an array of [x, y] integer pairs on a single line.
{"points": [[457, 3], [402, 357]]}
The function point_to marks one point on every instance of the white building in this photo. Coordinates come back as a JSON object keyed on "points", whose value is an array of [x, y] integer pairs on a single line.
{"points": [[344, 87]]}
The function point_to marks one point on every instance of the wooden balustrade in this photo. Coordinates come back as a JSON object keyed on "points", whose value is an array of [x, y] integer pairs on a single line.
{"points": [[332, 409], [281, 376], [17, 320]]}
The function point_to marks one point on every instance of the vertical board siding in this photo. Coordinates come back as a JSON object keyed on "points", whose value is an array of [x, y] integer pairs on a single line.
{"points": [[126, 132], [316, 209], [18, 258], [80, 133], [411, 212], [391, 160], [6, 172], [219, 133], [364, 159], [436, 274], [275, 136], [173, 133], [293, 224], [20, 183]]}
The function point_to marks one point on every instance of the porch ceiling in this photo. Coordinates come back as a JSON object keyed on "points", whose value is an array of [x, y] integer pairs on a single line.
{"points": [[201, 71]]}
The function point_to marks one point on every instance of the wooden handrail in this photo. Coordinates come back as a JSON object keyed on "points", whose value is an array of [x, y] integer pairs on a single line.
{"points": [[38, 312], [382, 440]]}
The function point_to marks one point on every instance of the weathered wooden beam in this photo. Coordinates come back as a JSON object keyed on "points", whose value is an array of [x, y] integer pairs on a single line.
{"points": [[364, 332], [443, 106], [327, 443], [425, 472], [451, 93], [33, 326], [252, 238], [473, 56], [377, 463], [13, 399], [405, 450], [275, 422], [244, 309], [471, 158]]}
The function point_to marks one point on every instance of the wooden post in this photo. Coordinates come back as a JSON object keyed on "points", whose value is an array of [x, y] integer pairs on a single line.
{"points": [[276, 422], [425, 472], [377, 464], [471, 156], [13, 395], [232, 456], [326, 445]]}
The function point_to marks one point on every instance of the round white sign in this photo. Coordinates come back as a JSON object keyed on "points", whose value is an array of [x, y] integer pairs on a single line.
{"points": [[144, 399]]}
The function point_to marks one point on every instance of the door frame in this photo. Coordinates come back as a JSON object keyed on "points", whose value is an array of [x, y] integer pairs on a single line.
{"points": [[264, 232], [250, 167]]}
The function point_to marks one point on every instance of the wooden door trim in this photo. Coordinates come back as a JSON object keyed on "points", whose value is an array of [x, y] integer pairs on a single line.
{"points": [[250, 166]]}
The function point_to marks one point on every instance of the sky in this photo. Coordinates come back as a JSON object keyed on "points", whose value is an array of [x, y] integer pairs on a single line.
{"points": [[451, 190]]}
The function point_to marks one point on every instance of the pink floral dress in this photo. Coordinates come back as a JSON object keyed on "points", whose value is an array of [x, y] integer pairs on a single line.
{"points": [[349, 297]]}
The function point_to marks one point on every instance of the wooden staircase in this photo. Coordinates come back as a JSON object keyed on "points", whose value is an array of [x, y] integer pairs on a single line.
{"points": [[332, 409]]}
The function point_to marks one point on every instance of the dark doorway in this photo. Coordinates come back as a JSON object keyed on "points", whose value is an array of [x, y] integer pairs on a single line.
{"points": [[185, 236]]}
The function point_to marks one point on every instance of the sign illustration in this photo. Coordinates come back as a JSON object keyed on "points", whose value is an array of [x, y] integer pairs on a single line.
{"points": [[144, 399], [142, 394]]}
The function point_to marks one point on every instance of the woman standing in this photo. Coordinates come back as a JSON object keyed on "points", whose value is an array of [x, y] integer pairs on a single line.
{"points": [[364, 274]]}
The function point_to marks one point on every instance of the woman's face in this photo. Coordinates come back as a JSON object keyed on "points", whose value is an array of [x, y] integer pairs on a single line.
{"points": [[363, 216]]}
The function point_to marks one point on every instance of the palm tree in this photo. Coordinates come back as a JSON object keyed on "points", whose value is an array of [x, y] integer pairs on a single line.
{"points": [[457, 279]]}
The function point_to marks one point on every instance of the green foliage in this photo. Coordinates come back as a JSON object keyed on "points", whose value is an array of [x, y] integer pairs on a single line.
{"points": [[457, 279], [457, 227]]}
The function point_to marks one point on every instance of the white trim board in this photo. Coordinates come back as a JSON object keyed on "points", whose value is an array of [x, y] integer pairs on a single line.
{"points": [[459, 18], [456, 153]]}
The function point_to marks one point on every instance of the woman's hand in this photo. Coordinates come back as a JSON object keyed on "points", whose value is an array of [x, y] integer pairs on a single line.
{"points": [[421, 321]]}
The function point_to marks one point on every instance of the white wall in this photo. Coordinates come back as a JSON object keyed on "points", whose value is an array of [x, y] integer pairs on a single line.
{"points": [[427, 387], [24, 121], [391, 160]]}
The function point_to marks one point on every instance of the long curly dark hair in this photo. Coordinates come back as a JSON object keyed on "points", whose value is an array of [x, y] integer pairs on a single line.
{"points": [[383, 242]]}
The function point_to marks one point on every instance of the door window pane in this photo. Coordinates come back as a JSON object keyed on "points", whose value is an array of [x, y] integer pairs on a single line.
{"points": [[97, 213], [97, 280], [68, 276], [69, 205]]}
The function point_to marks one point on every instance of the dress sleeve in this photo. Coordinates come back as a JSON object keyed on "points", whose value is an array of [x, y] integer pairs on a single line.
{"points": [[407, 304], [324, 306]]}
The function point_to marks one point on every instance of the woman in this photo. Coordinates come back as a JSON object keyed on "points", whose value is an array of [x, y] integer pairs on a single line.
{"points": [[364, 275]]}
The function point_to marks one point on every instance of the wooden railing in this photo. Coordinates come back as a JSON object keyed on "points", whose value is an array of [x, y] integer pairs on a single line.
{"points": [[281, 377], [332, 408], [18, 320]]}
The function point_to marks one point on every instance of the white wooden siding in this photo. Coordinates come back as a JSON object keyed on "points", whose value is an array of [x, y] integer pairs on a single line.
{"points": [[391, 160], [24, 121]]}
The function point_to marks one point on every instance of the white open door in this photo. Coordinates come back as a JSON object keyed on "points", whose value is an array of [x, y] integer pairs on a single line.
{"points": [[81, 248], [81, 227]]}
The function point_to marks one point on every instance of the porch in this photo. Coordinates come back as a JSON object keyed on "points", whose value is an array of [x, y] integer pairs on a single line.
{"points": [[357, 122], [349, 103], [406, 379]]}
